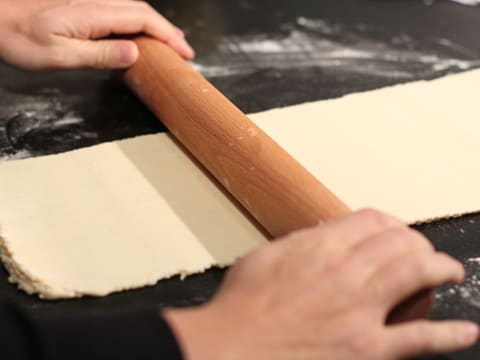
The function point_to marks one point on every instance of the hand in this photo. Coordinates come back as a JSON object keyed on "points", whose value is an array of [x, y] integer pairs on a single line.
{"points": [[325, 293], [41, 34]]}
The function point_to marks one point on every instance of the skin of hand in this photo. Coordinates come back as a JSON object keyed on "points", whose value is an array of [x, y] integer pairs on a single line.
{"points": [[325, 293], [46, 34]]}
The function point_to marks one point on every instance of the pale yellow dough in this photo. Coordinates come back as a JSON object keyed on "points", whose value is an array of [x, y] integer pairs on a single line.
{"points": [[410, 150], [113, 217], [126, 214]]}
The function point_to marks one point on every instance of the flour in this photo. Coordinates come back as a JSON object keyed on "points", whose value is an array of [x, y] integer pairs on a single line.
{"points": [[467, 293], [316, 43], [22, 116], [462, 2], [467, 2], [18, 155]]}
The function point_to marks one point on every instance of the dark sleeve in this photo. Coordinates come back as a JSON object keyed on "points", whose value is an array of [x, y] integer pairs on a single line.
{"points": [[140, 335]]}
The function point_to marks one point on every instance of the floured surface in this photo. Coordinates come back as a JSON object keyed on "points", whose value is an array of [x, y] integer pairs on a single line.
{"points": [[113, 217], [410, 149], [127, 214]]}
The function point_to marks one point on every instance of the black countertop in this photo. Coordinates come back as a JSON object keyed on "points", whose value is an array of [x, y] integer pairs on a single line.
{"points": [[261, 54]]}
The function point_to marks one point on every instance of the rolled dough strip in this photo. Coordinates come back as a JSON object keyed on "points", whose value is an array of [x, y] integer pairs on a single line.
{"points": [[127, 214], [113, 217], [408, 149]]}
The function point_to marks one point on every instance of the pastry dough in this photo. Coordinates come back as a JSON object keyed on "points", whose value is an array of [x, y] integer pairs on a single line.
{"points": [[115, 216], [410, 150], [126, 214]]}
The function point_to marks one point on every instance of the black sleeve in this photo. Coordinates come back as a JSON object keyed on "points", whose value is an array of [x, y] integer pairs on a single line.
{"points": [[140, 335]]}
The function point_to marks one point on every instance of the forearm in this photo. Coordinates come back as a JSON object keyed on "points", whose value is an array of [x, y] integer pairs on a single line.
{"points": [[132, 334]]}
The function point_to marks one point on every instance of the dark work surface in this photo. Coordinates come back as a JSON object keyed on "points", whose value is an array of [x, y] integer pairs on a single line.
{"points": [[317, 50]]}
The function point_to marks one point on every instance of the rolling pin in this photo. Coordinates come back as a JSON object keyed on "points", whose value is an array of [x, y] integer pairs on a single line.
{"points": [[274, 187], [279, 192]]}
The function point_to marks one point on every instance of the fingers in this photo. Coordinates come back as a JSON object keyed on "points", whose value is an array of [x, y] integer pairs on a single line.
{"points": [[338, 236], [104, 54], [98, 19], [354, 228], [143, 18], [427, 337], [413, 272], [381, 248]]}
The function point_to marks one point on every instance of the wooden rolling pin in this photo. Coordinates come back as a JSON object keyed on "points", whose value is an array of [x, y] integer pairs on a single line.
{"points": [[275, 188], [279, 192]]}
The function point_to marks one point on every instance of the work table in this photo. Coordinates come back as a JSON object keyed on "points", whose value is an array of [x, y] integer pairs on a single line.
{"points": [[260, 54]]}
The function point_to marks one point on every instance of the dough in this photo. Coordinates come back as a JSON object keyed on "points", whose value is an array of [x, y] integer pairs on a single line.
{"points": [[410, 150], [126, 214], [113, 217]]}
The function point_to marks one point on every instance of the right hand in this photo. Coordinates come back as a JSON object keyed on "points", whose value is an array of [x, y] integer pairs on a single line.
{"points": [[59, 34], [325, 293]]}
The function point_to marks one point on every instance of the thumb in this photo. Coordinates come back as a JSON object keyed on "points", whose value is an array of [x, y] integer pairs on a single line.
{"points": [[101, 54]]}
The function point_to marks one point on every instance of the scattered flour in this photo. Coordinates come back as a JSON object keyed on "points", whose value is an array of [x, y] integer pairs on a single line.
{"points": [[468, 292], [22, 115], [468, 2], [332, 47]]}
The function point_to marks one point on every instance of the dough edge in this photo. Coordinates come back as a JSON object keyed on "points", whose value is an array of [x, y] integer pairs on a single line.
{"points": [[33, 285]]}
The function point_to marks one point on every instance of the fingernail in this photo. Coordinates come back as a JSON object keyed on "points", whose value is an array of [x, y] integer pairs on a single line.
{"points": [[179, 32], [127, 54], [469, 334], [189, 52]]}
